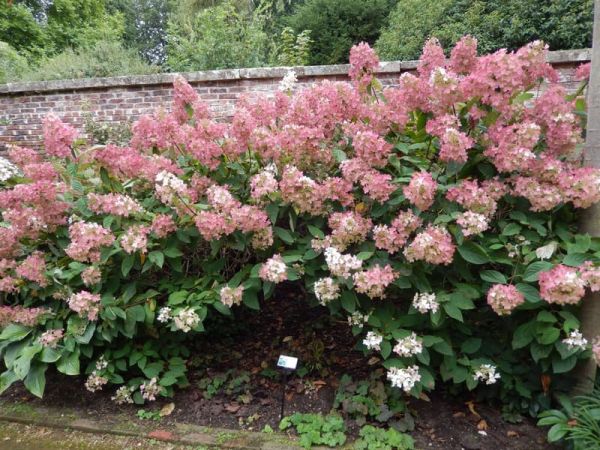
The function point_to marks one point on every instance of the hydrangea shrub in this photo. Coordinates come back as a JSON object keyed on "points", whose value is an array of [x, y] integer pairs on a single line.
{"points": [[437, 216]]}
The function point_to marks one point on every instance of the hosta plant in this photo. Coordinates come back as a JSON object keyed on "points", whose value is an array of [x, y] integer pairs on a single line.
{"points": [[437, 216]]}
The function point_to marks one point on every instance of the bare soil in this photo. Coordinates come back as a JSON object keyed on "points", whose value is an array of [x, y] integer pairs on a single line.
{"points": [[286, 325]]}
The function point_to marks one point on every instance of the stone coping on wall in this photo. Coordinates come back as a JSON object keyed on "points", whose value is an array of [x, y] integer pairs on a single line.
{"points": [[554, 57]]}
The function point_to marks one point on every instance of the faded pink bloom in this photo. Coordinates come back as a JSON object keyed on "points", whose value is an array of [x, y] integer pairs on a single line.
{"points": [[374, 280], [561, 285], [85, 304], [58, 136], [421, 190], [434, 245], [503, 298]]}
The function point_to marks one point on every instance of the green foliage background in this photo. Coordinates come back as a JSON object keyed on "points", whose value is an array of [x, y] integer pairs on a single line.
{"points": [[41, 38]]}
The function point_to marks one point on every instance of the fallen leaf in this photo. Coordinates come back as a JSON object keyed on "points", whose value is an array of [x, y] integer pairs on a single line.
{"points": [[288, 339], [167, 410], [459, 414], [511, 433], [161, 435], [471, 405], [232, 407], [546, 380], [482, 425], [423, 396]]}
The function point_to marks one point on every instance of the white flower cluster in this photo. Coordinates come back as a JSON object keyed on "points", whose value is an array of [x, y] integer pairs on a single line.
{"points": [[123, 395], [486, 373], [7, 169], [288, 82], [231, 296], [373, 341], [409, 346], [404, 378], [326, 290], [575, 341], [341, 265], [164, 314], [274, 270], [169, 186], [358, 319], [472, 223], [186, 319], [150, 389], [95, 382], [425, 302]]}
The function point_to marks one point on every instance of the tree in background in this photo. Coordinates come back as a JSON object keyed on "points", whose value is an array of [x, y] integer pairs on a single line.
{"points": [[563, 24], [218, 37], [145, 26], [336, 25]]}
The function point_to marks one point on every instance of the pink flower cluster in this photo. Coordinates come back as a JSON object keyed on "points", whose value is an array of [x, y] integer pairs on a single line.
{"points": [[374, 280], [433, 245], [228, 215], [115, 204], [135, 239], [274, 270], [421, 190], [58, 136], [363, 62], [472, 223], [86, 240], [85, 304], [21, 315], [561, 285], [33, 268], [51, 338], [393, 237], [479, 198], [348, 228], [91, 276], [503, 298], [163, 225]]}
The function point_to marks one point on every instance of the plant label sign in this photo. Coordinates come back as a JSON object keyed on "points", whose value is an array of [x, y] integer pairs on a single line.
{"points": [[287, 362]]}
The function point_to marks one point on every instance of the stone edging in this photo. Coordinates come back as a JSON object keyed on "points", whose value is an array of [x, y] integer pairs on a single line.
{"points": [[178, 433], [554, 57]]}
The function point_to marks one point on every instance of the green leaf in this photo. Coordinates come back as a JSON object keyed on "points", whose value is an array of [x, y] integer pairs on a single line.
{"points": [[284, 235], [127, 264], [547, 335], [35, 381], [69, 364], [363, 256], [157, 257], [511, 229], [574, 259], [178, 297], [563, 365], [250, 299], [223, 309], [173, 252], [523, 335], [533, 270], [471, 345], [348, 299], [453, 311], [315, 232], [14, 333], [49, 355], [386, 349], [7, 379], [531, 293], [492, 276], [153, 369], [473, 253]]}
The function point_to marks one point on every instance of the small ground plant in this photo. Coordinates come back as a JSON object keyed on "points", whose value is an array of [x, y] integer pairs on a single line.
{"points": [[373, 438], [316, 429], [577, 423]]}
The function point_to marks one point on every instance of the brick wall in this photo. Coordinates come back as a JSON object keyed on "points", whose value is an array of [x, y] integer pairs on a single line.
{"points": [[110, 100]]}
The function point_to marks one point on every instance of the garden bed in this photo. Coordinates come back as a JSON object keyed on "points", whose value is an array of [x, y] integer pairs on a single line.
{"points": [[240, 390]]}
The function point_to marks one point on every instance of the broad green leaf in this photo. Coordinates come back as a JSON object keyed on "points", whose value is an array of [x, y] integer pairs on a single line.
{"points": [[492, 276], [14, 332], [284, 235], [473, 253], [35, 381], [157, 257], [533, 270]]}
